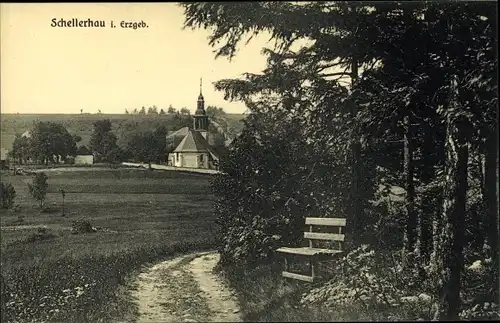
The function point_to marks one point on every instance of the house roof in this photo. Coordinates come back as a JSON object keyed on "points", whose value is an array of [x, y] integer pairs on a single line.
{"points": [[83, 150]]}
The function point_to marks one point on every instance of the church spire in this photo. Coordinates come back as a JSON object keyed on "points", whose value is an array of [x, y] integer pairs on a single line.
{"points": [[200, 118], [200, 97], [200, 107]]}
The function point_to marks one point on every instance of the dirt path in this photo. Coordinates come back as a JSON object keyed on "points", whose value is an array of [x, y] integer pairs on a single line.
{"points": [[184, 289]]}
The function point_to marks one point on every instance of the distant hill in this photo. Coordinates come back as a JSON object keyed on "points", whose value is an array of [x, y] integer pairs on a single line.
{"points": [[82, 124]]}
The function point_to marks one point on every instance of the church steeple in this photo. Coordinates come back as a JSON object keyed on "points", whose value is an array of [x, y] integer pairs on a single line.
{"points": [[200, 118], [200, 109]]}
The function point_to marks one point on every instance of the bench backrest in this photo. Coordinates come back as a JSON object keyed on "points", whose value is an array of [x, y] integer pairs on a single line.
{"points": [[330, 222]]}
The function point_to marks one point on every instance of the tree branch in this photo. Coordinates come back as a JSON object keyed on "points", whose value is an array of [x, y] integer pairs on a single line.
{"points": [[335, 74]]}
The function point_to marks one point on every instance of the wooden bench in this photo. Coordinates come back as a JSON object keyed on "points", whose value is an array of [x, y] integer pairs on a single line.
{"points": [[316, 254]]}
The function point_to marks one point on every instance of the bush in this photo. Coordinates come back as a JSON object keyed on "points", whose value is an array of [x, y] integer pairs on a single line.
{"points": [[19, 220], [49, 210], [41, 234], [16, 208], [82, 226], [485, 311], [38, 188], [477, 292], [379, 288], [269, 186], [7, 195]]}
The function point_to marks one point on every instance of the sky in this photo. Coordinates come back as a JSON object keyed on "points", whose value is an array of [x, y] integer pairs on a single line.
{"points": [[48, 69]]}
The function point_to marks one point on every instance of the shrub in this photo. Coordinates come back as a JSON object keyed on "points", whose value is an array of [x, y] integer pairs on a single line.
{"points": [[363, 280], [269, 186], [19, 220], [484, 311], [41, 234], [49, 210], [7, 195], [82, 226], [38, 188], [16, 208], [477, 294]]}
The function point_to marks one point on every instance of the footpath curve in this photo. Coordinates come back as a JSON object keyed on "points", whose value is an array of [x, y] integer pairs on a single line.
{"points": [[184, 289]]}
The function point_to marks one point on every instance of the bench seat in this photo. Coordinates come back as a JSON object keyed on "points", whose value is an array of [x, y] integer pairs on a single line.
{"points": [[316, 254], [307, 251]]}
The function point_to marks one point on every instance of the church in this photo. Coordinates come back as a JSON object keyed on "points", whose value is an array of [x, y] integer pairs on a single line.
{"points": [[192, 147]]}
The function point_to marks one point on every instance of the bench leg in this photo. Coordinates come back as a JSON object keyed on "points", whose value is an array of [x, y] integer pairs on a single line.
{"points": [[312, 266], [286, 264]]}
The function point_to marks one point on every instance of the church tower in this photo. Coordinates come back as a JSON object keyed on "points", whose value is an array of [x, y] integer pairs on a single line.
{"points": [[200, 118]]}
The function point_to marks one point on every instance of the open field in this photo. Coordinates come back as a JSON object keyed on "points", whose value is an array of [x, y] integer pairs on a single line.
{"points": [[58, 276], [81, 124]]}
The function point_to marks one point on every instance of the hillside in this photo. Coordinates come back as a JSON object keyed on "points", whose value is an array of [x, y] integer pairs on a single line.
{"points": [[81, 124]]}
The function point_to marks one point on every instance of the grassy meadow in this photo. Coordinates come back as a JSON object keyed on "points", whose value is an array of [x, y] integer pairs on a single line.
{"points": [[145, 216]]}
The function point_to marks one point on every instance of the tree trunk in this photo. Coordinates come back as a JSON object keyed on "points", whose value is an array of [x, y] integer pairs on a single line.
{"points": [[490, 197], [410, 244], [424, 235], [449, 257], [355, 199], [480, 225], [430, 201], [437, 224]]}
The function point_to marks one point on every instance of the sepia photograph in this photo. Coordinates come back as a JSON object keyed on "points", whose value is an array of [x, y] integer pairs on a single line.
{"points": [[259, 161]]}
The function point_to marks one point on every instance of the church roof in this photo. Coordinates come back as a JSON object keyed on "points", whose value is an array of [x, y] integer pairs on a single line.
{"points": [[182, 132], [193, 142]]}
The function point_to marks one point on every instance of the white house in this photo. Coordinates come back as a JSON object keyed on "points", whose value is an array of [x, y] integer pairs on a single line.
{"points": [[26, 134], [3, 154], [3, 157], [83, 156], [84, 159]]}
